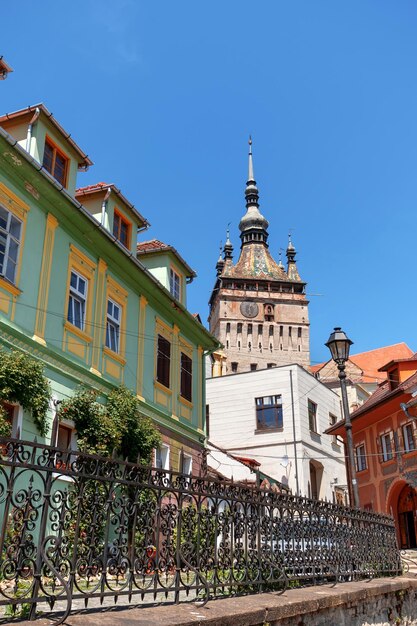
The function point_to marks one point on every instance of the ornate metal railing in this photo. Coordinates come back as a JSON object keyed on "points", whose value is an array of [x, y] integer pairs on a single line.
{"points": [[79, 530]]}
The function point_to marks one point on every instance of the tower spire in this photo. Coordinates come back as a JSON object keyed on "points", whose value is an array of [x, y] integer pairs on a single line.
{"points": [[253, 226], [292, 270], [250, 169], [228, 247], [220, 261]]}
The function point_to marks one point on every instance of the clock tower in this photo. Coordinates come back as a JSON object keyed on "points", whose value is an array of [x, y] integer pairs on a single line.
{"points": [[258, 308]]}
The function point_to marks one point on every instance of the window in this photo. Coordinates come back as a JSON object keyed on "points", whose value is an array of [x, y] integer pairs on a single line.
{"points": [[269, 313], [77, 300], [234, 367], [228, 327], [253, 367], [281, 331], [250, 329], [163, 361], [260, 329], [312, 416], [162, 457], [10, 235], [186, 464], [55, 162], [299, 332], [268, 412], [271, 331], [360, 458], [270, 365], [332, 421], [186, 377], [408, 437], [394, 378], [121, 229], [174, 284], [113, 326], [239, 327], [386, 447]]}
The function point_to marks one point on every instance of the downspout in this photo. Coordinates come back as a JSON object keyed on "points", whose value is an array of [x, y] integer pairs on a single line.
{"points": [[104, 207], [30, 127], [293, 435]]}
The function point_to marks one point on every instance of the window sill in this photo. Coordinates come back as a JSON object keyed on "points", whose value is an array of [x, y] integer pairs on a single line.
{"points": [[162, 387], [389, 461], [275, 429], [114, 355], [186, 402], [10, 287], [77, 331]]}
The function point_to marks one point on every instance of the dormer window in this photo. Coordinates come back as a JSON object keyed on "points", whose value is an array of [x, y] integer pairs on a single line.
{"points": [[394, 378], [174, 284], [55, 162], [121, 229]]}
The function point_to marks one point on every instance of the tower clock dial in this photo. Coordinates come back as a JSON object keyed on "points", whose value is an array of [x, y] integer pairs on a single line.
{"points": [[249, 309]]}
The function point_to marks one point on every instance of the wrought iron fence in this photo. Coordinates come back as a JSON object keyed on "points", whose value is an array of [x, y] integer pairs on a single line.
{"points": [[80, 530]]}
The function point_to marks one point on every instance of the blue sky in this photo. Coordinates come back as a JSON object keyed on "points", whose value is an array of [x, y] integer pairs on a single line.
{"points": [[163, 95]]}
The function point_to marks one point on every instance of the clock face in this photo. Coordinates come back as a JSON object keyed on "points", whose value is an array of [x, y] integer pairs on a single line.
{"points": [[249, 309]]}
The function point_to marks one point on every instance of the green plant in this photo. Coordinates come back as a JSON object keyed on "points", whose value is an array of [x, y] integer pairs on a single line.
{"points": [[117, 425], [22, 380], [5, 424]]}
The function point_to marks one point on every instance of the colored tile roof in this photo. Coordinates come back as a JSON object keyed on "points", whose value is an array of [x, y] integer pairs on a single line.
{"points": [[384, 393], [99, 187], [84, 161], [371, 361], [5, 69], [255, 261], [154, 246]]}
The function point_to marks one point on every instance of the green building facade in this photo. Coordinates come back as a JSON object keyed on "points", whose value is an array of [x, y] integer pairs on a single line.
{"points": [[80, 295]]}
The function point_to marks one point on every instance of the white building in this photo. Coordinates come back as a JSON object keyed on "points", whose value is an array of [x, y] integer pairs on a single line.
{"points": [[277, 417]]}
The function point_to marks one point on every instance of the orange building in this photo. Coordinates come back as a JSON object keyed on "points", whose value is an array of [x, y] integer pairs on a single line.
{"points": [[385, 448]]}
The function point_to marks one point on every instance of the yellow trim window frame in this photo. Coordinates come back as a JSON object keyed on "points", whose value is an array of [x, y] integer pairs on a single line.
{"points": [[79, 293], [186, 372], [116, 301], [13, 213], [163, 355]]}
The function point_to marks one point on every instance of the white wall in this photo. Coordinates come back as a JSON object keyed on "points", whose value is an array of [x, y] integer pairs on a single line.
{"points": [[231, 401]]}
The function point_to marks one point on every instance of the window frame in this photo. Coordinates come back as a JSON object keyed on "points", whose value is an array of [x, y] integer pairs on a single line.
{"points": [[113, 323], [406, 441], [56, 150], [312, 417], [387, 453], [163, 361], [164, 466], [186, 376], [261, 410], [175, 284], [122, 221], [360, 458], [81, 264], [10, 215], [74, 295]]}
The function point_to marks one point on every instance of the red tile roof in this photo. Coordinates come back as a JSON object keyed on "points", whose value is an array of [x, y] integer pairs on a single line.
{"points": [[155, 246], [84, 162], [371, 361], [4, 69], [99, 187], [384, 392]]}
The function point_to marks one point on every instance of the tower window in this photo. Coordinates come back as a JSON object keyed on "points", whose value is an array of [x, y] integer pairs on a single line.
{"points": [[249, 329], [281, 331], [260, 329], [269, 313], [234, 367], [289, 331], [299, 332], [239, 327], [253, 367], [228, 327], [271, 331], [271, 365]]}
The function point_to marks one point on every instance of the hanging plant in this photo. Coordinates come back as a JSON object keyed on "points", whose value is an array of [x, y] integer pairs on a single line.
{"points": [[22, 381], [5, 424]]}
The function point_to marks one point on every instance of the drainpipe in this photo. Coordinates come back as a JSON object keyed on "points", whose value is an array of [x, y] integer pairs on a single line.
{"points": [[104, 206], [294, 437], [30, 127]]}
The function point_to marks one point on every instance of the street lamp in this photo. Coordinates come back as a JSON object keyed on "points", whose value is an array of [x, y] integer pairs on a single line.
{"points": [[339, 346]]}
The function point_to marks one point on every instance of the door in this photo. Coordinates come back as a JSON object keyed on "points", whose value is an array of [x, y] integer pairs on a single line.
{"points": [[407, 510]]}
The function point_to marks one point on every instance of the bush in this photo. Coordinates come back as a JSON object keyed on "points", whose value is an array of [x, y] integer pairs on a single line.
{"points": [[22, 381]]}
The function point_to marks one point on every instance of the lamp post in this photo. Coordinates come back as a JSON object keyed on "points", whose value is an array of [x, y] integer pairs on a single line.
{"points": [[339, 346]]}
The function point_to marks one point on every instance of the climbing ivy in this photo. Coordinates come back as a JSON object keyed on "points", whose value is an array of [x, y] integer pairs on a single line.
{"points": [[22, 380]]}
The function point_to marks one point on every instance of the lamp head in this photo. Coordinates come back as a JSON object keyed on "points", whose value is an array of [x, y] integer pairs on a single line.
{"points": [[339, 346]]}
